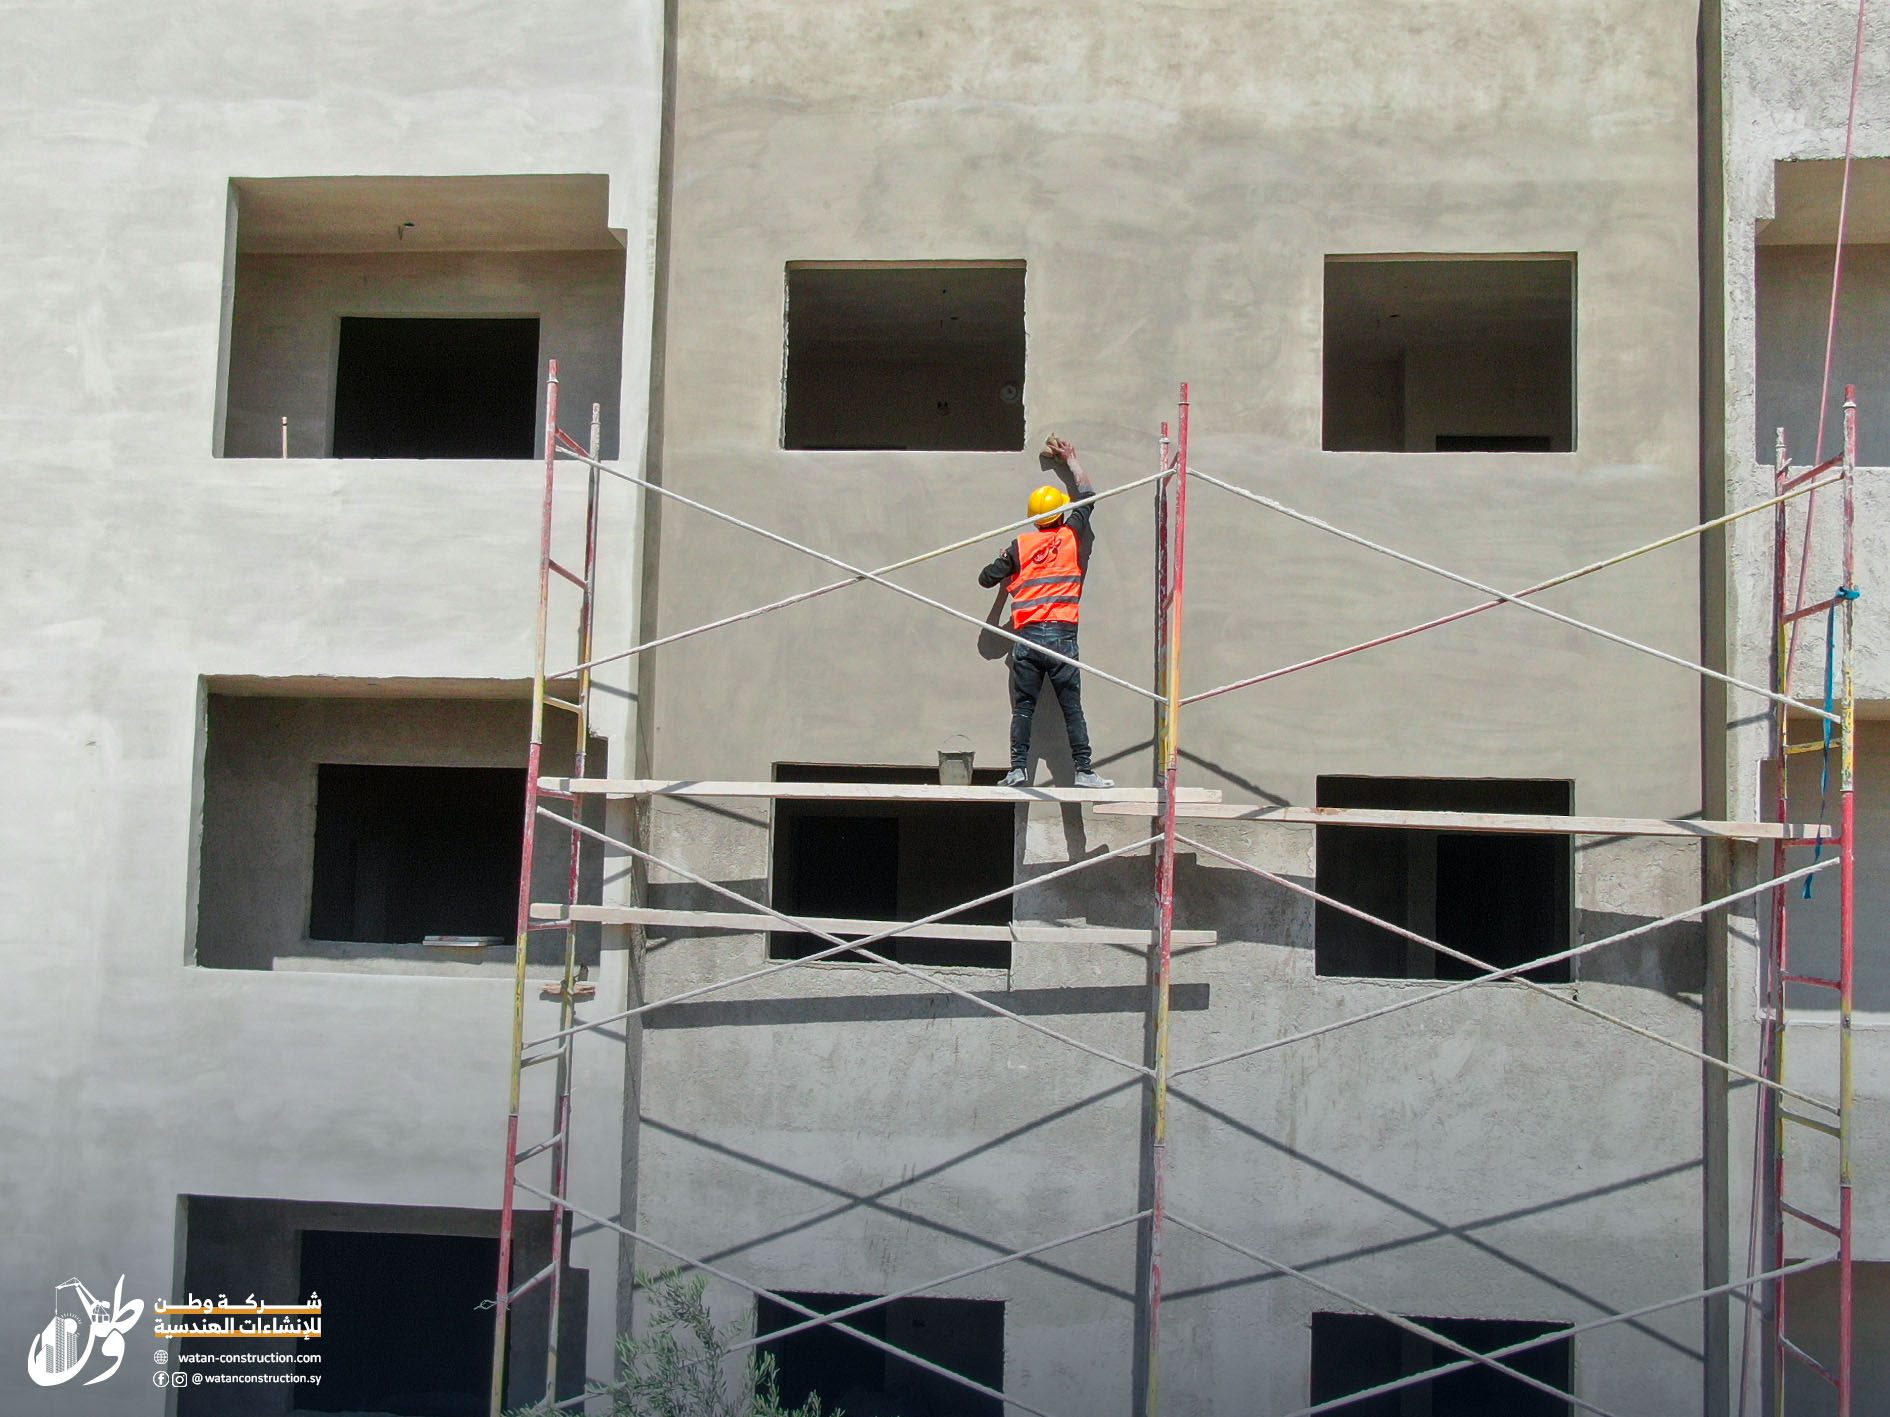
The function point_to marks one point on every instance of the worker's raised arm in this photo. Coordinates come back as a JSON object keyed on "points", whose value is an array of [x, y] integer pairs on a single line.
{"points": [[1064, 451]]}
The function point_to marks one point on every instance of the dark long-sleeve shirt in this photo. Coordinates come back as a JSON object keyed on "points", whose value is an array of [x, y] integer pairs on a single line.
{"points": [[1006, 565]]}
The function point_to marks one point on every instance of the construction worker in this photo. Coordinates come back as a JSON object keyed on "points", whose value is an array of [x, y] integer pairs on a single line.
{"points": [[1042, 571]]}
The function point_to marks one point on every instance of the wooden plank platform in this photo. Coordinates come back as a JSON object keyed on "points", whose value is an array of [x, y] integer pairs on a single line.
{"points": [[1024, 934], [864, 791], [1496, 822]]}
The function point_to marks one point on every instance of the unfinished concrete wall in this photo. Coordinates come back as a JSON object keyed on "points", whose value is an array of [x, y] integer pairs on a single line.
{"points": [[1815, 1299], [1786, 80], [1793, 286], [1494, 1155], [147, 565], [262, 758], [287, 312], [1814, 922], [903, 1133]]}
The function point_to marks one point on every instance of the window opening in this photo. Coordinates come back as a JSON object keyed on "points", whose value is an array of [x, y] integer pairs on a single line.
{"points": [[436, 388], [1501, 897], [402, 853], [892, 861], [964, 1335], [404, 1331], [892, 357], [1449, 354], [1353, 1352]]}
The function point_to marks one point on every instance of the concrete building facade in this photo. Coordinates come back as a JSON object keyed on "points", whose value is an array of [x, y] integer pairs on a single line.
{"points": [[1785, 97], [206, 208], [839, 270], [1232, 195]]}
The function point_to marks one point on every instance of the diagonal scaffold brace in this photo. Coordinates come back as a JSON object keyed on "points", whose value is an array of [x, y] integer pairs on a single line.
{"points": [[1170, 803]]}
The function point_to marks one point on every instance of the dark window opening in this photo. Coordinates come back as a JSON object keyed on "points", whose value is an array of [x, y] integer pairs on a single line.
{"points": [[402, 1327], [402, 853], [1353, 1352], [891, 861], [1493, 443], [889, 357], [1449, 355], [1502, 898], [436, 388], [963, 1335]]}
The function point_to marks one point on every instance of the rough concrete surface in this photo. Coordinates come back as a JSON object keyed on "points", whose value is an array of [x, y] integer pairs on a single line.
{"points": [[1174, 179], [139, 565], [1786, 88]]}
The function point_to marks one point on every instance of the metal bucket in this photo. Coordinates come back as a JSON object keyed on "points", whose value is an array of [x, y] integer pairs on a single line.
{"points": [[954, 762]]}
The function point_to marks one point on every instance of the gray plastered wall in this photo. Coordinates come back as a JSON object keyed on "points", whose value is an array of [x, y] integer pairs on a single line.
{"points": [[262, 757], [1174, 198], [141, 566], [286, 313], [1786, 83]]}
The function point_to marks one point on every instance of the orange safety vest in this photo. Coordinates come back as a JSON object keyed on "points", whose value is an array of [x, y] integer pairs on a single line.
{"points": [[1049, 580]]}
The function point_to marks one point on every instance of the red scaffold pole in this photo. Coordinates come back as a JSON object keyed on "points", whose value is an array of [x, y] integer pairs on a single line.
{"points": [[567, 1000], [507, 1201], [1772, 1026], [1847, 918]]}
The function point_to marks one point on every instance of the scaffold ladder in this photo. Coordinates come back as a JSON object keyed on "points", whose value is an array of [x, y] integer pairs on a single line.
{"points": [[1781, 1209], [555, 1145]]}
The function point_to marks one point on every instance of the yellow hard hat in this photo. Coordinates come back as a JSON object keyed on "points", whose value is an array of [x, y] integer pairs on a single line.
{"points": [[1047, 503]]}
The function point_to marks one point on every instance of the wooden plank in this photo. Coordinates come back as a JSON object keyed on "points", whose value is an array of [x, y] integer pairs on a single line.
{"points": [[749, 921], [1497, 822], [862, 791]]}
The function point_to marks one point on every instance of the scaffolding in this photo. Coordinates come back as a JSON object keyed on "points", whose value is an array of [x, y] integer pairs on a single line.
{"points": [[1166, 805], [1790, 613]]}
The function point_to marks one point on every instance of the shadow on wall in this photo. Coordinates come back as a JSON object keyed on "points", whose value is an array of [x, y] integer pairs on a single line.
{"points": [[1428, 1228], [1235, 904], [1670, 960], [1239, 906], [885, 1201], [899, 1200], [1208, 896], [687, 895], [899, 1008]]}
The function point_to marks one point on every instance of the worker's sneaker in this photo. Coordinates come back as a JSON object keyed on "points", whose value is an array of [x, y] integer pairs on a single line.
{"points": [[1016, 777], [1090, 779]]}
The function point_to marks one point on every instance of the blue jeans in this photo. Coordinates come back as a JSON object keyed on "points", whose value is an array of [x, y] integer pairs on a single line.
{"points": [[1028, 671]]}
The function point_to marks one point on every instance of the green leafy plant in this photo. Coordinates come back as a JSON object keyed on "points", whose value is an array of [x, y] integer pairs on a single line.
{"points": [[678, 1368]]}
